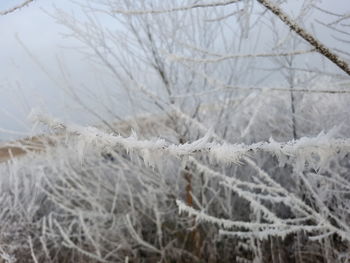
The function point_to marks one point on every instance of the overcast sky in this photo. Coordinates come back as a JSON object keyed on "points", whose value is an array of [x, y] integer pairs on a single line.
{"points": [[23, 85]]}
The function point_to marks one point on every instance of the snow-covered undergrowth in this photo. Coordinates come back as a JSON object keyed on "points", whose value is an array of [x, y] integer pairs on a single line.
{"points": [[95, 196]]}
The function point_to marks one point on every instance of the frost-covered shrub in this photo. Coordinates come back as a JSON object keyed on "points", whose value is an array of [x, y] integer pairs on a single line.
{"points": [[104, 197]]}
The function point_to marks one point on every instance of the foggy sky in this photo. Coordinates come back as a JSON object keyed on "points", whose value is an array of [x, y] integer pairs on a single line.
{"points": [[23, 85]]}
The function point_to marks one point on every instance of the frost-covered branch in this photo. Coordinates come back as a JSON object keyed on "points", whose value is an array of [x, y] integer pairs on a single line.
{"points": [[262, 230], [174, 57], [293, 25], [220, 86], [257, 193], [13, 9], [175, 9]]}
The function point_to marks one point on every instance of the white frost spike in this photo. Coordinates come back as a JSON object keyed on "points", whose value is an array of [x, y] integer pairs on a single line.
{"points": [[188, 148], [36, 116], [228, 153]]}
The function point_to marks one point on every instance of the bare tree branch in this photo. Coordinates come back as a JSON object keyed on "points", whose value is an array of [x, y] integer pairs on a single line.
{"points": [[320, 48]]}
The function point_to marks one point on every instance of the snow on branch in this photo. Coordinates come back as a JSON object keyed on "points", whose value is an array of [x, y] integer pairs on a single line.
{"points": [[313, 151], [175, 9], [13, 9]]}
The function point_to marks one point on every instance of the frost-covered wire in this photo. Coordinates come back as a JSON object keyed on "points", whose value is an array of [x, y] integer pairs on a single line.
{"points": [[314, 151]]}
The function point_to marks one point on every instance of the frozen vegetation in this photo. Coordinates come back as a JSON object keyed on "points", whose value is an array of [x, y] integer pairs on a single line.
{"points": [[222, 168]]}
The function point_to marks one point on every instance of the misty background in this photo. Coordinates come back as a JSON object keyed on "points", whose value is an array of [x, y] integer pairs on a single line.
{"points": [[35, 52]]}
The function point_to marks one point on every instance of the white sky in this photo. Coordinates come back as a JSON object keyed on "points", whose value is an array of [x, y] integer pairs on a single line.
{"points": [[23, 85]]}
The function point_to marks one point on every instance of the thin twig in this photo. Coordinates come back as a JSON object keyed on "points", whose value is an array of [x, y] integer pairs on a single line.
{"points": [[175, 9], [235, 56]]}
